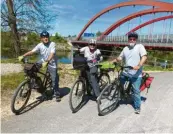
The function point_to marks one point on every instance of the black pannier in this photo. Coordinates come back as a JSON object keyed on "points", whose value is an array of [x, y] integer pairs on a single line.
{"points": [[29, 69], [79, 62]]}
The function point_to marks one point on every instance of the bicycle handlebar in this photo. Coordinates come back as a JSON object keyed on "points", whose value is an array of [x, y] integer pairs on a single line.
{"points": [[122, 67], [38, 65]]}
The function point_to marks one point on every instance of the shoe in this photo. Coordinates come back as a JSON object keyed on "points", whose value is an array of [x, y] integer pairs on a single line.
{"points": [[137, 111], [58, 98]]}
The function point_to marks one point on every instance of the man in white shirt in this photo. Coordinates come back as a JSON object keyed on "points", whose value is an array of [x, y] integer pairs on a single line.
{"points": [[93, 56], [47, 51], [133, 55]]}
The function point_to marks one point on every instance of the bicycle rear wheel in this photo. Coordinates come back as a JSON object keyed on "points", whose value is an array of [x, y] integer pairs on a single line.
{"points": [[108, 99], [20, 97], [77, 95]]}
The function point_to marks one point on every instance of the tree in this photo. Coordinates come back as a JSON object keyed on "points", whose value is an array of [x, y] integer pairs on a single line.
{"points": [[25, 16], [98, 33], [58, 38]]}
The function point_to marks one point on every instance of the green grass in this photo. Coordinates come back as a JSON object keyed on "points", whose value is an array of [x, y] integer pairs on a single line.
{"points": [[15, 60], [107, 64], [157, 68], [11, 81]]}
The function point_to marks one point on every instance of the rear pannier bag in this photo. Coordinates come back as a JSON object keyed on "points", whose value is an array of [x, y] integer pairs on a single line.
{"points": [[146, 81]]}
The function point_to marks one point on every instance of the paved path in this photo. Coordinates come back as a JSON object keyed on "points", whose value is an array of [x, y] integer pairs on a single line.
{"points": [[156, 115]]}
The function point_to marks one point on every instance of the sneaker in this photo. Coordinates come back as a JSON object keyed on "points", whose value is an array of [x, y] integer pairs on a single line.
{"points": [[137, 111], [58, 98]]}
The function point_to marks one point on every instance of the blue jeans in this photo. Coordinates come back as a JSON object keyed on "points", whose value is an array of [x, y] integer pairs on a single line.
{"points": [[55, 80], [136, 82], [54, 77]]}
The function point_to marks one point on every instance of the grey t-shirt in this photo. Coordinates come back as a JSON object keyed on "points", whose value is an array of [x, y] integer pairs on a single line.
{"points": [[132, 57], [45, 51]]}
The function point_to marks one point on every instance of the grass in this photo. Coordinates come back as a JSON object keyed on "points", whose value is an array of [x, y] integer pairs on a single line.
{"points": [[11, 81], [157, 68], [15, 60]]}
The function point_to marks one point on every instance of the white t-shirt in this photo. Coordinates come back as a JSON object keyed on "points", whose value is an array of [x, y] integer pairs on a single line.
{"points": [[132, 58], [45, 51], [89, 55]]}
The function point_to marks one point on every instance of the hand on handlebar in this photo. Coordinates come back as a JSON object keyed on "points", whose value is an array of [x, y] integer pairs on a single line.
{"points": [[20, 58], [136, 67], [44, 64]]}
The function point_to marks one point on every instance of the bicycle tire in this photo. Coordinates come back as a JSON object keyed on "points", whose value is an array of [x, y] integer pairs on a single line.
{"points": [[110, 93], [78, 93], [102, 82], [19, 90]]}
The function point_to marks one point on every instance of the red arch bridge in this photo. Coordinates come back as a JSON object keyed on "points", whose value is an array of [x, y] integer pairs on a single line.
{"points": [[155, 41]]}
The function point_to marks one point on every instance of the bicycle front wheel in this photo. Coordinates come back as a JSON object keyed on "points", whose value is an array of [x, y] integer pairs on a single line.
{"points": [[108, 99], [77, 94], [20, 97], [104, 80]]}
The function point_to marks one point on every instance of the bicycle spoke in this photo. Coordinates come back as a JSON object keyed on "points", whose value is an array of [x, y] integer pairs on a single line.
{"points": [[77, 96], [108, 99]]}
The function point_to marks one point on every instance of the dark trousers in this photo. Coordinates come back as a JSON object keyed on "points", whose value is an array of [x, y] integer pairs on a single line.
{"points": [[92, 76]]}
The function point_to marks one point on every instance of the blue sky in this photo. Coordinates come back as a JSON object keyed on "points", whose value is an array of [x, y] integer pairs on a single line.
{"points": [[74, 14]]}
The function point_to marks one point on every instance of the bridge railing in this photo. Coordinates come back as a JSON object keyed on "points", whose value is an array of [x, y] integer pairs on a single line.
{"points": [[158, 38]]}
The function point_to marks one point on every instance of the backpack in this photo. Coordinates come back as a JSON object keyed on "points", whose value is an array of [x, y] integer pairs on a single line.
{"points": [[146, 81]]}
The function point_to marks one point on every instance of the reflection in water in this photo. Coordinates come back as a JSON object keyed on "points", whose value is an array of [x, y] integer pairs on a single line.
{"points": [[64, 57]]}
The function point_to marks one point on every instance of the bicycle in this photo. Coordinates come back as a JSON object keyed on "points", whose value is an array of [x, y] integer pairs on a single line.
{"points": [[112, 94], [81, 88], [32, 82]]}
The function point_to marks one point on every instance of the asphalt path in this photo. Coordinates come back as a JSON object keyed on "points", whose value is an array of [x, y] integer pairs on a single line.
{"points": [[49, 117]]}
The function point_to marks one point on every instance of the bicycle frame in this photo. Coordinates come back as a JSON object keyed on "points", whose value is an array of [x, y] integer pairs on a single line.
{"points": [[127, 85], [45, 75]]}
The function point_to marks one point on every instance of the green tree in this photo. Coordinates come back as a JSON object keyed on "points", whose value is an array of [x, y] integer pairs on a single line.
{"points": [[32, 39], [58, 38], [25, 16], [98, 33]]}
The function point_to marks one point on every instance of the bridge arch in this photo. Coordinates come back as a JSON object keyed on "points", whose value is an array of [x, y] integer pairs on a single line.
{"points": [[150, 22], [162, 5], [129, 17]]}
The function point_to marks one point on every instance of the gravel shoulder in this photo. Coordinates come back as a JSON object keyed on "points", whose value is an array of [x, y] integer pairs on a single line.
{"points": [[7, 68]]}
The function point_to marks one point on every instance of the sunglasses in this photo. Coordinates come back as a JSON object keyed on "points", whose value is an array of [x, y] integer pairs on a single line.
{"points": [[132, 39], [92, 44]]}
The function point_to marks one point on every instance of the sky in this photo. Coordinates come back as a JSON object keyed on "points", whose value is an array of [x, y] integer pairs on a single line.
{"points": [[73, 15]]}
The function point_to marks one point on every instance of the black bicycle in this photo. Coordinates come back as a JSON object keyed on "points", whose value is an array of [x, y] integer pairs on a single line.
{"points": [[32, 82], [81, 88], [114, 92]]}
